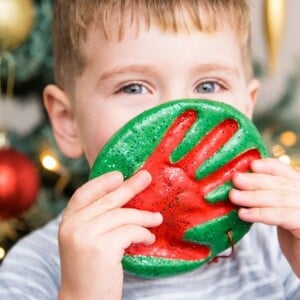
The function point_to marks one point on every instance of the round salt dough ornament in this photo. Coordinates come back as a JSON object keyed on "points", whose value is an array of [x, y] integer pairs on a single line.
{"points": [[192, 148]]}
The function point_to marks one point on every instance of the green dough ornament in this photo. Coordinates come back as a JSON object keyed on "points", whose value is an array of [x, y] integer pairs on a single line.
{"points": [[192, 148]]}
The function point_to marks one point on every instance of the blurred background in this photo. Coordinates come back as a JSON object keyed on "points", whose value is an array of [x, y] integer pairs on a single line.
{"points": [[36, 181]]}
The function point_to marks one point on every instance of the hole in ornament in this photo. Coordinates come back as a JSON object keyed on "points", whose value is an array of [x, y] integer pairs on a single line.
{"points": [[230, 238]]}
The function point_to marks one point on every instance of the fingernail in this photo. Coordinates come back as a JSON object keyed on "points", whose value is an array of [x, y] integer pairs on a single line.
{"points": [[153, 238], [238, 175], [116, 177], [256, 164], [233, 193], [144, 177], [158, 216], [243, 211]]}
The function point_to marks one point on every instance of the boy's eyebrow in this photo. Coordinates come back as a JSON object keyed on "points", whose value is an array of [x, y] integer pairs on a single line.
{"points": [[115, 71], [216, 67], [201, 68]]}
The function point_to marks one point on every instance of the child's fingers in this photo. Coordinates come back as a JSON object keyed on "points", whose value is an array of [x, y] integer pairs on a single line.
{"points": [[116, 197], [108, 222], [254, 181], [123, 237], [125, 192], [275, 167], [258, 181], [109, 248], [287, 218], [121, 217], [93, 190], [265, 198]]}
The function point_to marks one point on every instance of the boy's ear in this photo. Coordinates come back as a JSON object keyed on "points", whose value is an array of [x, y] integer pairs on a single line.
{"points": [[60, 111], [253, 88]]}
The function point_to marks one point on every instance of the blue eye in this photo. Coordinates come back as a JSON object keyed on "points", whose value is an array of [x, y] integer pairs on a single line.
{"points": [[134, 89], [208, 87]]}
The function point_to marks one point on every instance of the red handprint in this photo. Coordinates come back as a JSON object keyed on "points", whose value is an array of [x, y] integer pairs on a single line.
{"points": [[179, 196]]}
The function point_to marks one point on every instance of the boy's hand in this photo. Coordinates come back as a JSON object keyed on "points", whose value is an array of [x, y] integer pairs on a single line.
{"points": [[271, 195], [95, 231]]}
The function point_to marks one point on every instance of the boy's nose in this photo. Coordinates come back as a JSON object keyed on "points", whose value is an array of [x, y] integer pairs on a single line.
{"points": [[175, 92]]}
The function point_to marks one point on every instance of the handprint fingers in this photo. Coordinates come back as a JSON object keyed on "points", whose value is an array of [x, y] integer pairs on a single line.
{"points": [[209, 145], [176, 133], [225, 173]]}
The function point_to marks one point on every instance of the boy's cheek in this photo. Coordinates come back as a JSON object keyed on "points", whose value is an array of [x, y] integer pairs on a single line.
{"points": [[92, 151], [99, 127], [94, 136], [92, 144]]}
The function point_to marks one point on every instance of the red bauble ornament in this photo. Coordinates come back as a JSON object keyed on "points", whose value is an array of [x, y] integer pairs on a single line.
{"points": [[19, 183]]}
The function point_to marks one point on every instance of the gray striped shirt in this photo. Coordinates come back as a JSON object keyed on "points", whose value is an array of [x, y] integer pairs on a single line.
{"points": [[258, 270]]}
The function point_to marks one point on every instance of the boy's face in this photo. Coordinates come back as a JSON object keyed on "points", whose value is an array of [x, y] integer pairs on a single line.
{"points": [[124, 78]]}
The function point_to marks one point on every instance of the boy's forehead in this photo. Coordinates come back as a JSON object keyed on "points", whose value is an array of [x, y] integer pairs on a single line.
{"points": [[142, 46]]}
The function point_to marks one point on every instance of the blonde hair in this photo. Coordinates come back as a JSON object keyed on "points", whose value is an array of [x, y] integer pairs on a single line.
{"points": [[73, 18]]}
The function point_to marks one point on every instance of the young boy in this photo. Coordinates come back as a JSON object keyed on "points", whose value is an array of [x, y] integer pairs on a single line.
{"points": [[115, 59]]}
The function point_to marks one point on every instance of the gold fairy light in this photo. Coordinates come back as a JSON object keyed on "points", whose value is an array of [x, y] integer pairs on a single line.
{"points": [[51, 163], [288, 138], [285, 158], [287, 150], [278, 150], [2, 253], [3, 139]]}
